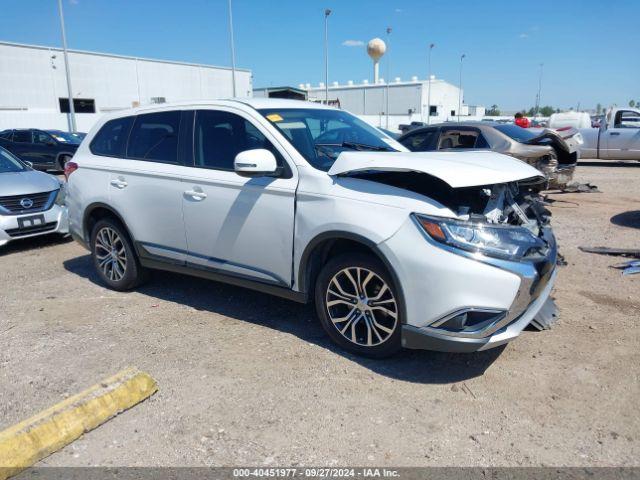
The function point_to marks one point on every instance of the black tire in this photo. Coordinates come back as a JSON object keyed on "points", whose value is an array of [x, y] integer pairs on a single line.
{"points": [[113, 274], [62, 161], [370, 338]]}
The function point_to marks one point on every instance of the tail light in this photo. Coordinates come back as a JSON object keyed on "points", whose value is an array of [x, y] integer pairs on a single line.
{"points": [[69, 168], [562, 129]]}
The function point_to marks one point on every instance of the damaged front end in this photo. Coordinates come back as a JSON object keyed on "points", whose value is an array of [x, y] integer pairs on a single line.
{"points": [[559, 162], [504, 225]]}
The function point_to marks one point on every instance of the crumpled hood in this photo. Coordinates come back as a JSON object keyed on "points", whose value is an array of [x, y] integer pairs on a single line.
{"points": [[457, 169], [24, 183]]}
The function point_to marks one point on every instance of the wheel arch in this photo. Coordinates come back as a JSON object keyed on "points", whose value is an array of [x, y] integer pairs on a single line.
{"points": [[328, 244], [96, 211]]}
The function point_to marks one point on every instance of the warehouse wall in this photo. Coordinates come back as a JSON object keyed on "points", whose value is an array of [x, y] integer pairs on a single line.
{"points": [[33, 79]]}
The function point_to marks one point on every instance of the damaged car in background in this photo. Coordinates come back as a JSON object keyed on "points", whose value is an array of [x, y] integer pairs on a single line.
{"points": [[448, 251], [554, 153]]}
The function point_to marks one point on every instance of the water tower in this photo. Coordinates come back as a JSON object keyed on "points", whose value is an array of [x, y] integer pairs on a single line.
{"points": [[376, 49]]}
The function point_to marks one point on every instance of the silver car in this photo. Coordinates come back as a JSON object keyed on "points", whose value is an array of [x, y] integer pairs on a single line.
{"points": [[31, 202]]}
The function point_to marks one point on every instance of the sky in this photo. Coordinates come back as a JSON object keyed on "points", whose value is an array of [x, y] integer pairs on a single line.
{"points": [[590, 49]]}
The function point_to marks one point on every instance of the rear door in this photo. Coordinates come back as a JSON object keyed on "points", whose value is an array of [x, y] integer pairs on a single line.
{"points": [[237, 225], [21, 145], [622, 139], [145, 186]]}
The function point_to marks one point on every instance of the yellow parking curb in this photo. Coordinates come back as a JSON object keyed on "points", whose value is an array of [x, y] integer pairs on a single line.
{"points": [[24, 444]]}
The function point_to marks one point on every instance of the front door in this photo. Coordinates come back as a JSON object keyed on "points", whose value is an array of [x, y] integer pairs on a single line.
{"points": [[237, 225], [621, 141], [43, 148]]}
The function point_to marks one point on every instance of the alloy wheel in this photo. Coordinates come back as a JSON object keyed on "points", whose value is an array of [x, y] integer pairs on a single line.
{"points": [[361, 306], [111, 254]]}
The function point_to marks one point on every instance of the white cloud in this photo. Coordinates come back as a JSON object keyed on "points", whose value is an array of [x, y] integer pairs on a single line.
{"points": [[524, 35], [74, 2], [399, 10], [353, 43]]}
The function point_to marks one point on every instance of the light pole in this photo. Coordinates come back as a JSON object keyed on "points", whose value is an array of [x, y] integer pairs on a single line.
{"points": [[460, 86], [429, 84], [388, 73], [72, 110], [539, 89], [233, 51], [327, 12]]}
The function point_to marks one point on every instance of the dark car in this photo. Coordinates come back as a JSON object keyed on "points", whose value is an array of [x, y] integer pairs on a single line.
{"points": [[553, 153], [45, 150]]}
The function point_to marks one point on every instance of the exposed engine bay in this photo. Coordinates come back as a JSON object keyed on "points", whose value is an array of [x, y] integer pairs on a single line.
{"points": [[515, 203]]}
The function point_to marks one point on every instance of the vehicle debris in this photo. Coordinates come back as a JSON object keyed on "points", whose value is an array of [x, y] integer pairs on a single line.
{"points": [[575, 187], [547, 316], [623, 252], [628, 268]]}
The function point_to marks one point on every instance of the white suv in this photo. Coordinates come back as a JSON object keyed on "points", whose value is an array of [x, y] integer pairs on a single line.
{"points": [[444, 251]]}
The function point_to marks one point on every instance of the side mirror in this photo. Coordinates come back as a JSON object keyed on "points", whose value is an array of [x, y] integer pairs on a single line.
{"points": [[29, 164], [51, 143], [255, 163]]}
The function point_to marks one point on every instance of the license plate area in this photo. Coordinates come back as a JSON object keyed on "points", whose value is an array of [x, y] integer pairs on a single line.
{"points": [[31, 221]]}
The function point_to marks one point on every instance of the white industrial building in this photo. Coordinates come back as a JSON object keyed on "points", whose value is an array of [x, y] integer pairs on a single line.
{"points": [[34, 93], [408, 100]]}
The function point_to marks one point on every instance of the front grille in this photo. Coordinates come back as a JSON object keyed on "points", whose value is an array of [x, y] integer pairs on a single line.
{"points": [[39, 202], [45, 227]]}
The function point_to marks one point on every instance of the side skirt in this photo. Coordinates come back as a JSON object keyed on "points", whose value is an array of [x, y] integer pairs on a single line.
{"points": [[217, 276]]}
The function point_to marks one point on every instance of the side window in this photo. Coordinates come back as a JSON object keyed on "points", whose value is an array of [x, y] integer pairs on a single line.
{"points": [[111, 140], [22, 136], [420, 141], [154, 137], [459, 139], [42, 138], [6, 135], [627, 119], [220, 136]]}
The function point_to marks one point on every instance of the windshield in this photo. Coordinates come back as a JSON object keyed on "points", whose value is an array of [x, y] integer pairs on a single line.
{"points": [[64, 137], [9, 163], [519, 134], [320, 135]]}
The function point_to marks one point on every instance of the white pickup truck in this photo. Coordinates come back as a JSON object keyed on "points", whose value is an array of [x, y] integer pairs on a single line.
{"points": [[618, 137]]}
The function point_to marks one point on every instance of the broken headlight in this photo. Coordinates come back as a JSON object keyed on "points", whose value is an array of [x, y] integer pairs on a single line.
{"points": [[502, 241], [61, 196]]}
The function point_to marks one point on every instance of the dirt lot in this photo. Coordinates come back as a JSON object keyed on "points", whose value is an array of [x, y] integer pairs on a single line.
{"points": [[249, 379]]}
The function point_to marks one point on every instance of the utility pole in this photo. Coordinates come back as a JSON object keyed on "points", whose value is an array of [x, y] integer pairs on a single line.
{"points": [[72, 110], [460, 86], [539, 89], [429, 84], [388, 73], [327, 12], [233, 51]]}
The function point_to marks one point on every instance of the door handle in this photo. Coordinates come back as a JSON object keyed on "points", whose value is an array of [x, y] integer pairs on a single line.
{"points": [[196, 194], [614, 133], [118, 183]]}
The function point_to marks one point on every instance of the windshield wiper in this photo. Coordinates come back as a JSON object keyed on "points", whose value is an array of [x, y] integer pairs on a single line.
{"points": [[357, 146]]}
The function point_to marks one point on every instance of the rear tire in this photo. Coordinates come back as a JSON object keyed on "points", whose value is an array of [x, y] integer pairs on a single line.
{"points": [[114, 257], [358, 305]]}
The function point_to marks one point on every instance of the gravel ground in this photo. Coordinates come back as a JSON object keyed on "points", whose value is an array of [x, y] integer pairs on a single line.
{"points": [[248, 379]]}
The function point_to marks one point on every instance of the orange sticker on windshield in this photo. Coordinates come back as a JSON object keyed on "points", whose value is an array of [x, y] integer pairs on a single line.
{"points": [[274, 117]]}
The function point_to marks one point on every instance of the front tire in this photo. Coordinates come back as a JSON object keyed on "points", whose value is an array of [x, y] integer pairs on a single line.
{"points": [[114, 257], [358, 305]]}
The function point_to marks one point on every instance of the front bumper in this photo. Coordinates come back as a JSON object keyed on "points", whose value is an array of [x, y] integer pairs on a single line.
{"points": [[14, 227], [439, 283], [421, 338]]}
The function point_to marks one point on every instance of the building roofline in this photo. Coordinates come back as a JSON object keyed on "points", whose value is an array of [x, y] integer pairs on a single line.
{"points": [[113, 55], [380, 85]]}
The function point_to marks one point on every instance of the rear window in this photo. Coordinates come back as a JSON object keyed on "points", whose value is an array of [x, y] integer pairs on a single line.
{"points": [[517, 133], [22, 136], [111, 140], [154, 137]]}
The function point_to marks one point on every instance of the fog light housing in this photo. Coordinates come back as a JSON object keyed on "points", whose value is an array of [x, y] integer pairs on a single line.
{"points": [[469, 320]]}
